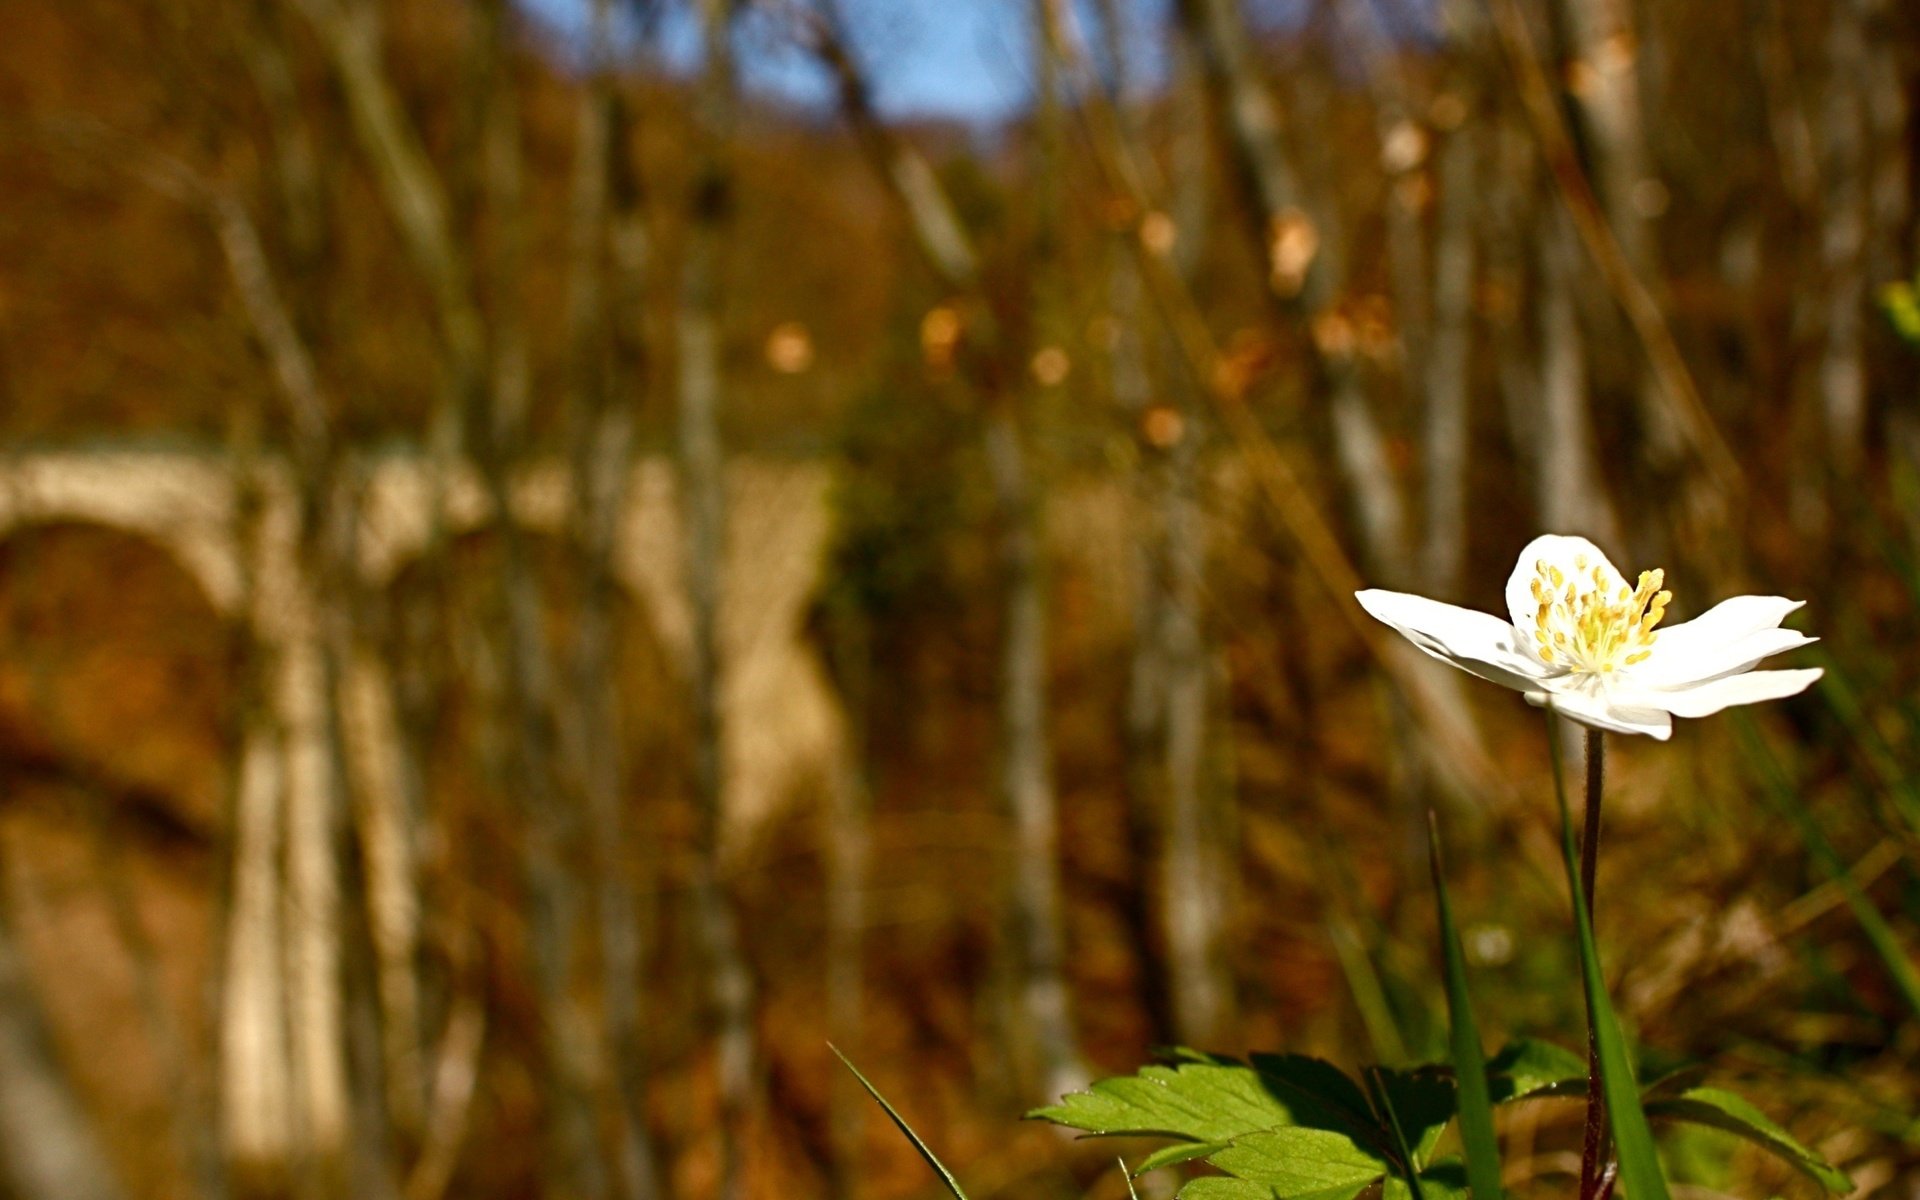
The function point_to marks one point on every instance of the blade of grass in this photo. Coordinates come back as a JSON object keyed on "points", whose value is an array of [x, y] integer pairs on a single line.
{"points": [[1779, 789], [900, 1122], [1463, 1040], [1640, 1169], [1385, 1036], [1369, 995]]}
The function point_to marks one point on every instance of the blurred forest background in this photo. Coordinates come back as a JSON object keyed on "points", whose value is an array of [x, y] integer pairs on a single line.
{"points": [[554, 559]]}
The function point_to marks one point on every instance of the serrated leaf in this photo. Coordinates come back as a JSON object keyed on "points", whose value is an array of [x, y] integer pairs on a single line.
{"points": [[1215, 1102], [1298, 1163], [1175, 1154], [1199, 1102], [1423, 1101], [1723, 1110], [1528, 1068]]}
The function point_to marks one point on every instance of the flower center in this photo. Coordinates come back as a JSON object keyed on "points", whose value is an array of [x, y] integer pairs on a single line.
{"points": [[1594, 622]]}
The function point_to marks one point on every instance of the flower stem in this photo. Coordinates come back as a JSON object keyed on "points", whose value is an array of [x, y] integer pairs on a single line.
{"points": [[1593, 1173]]}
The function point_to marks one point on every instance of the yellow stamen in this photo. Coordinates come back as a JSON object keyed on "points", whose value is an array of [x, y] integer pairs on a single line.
{"points": [[1594, 621]]}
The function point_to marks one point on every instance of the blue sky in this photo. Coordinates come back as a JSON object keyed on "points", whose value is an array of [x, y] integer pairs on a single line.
{"points": [[967, 59]]}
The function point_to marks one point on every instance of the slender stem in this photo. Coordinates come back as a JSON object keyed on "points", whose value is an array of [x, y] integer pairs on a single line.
{"points": [[1593, 1154], [1590, 837]]}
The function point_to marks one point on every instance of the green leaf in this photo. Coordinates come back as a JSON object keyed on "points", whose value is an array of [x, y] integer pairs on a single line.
{"points": [[1730, 1113], [1475, 1100], [1225, 1187], [1302, 1164], [900, 1122], [1527, 1068], [1175, 1154], [1640, 1171], [1199, 1102], [1218, 1100]]}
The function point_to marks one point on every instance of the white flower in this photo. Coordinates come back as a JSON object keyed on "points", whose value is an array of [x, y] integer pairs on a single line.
{"points": [[1584, 641]]}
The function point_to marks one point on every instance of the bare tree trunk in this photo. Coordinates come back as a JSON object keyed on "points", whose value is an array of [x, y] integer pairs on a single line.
{"points": [[703, 505], [1604, 80], [1843, 240], [1449, 347], [603, 435], [1569, 496], [1026, 771], [371, 1172], [486, 392], [1144, 721], [385, 814], [1508, 238], [494, 417], [1196, 872], [1449, 407], [1025, 744], [1025, 763], [849, 842], [1301, 238], [1793, 141], [1891, 237]]}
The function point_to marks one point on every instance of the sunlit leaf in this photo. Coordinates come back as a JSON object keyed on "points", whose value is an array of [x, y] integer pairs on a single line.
{"points": [[1302, 1164], [1218, 1100], [1222, 1187], [1179, 1152]]}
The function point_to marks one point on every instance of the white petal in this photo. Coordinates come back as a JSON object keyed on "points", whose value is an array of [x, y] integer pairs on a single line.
{"points": [[1726, 622], [1473, 641], [1680, 665], [1615, 714], [1556, 550], [1707, 698]]}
